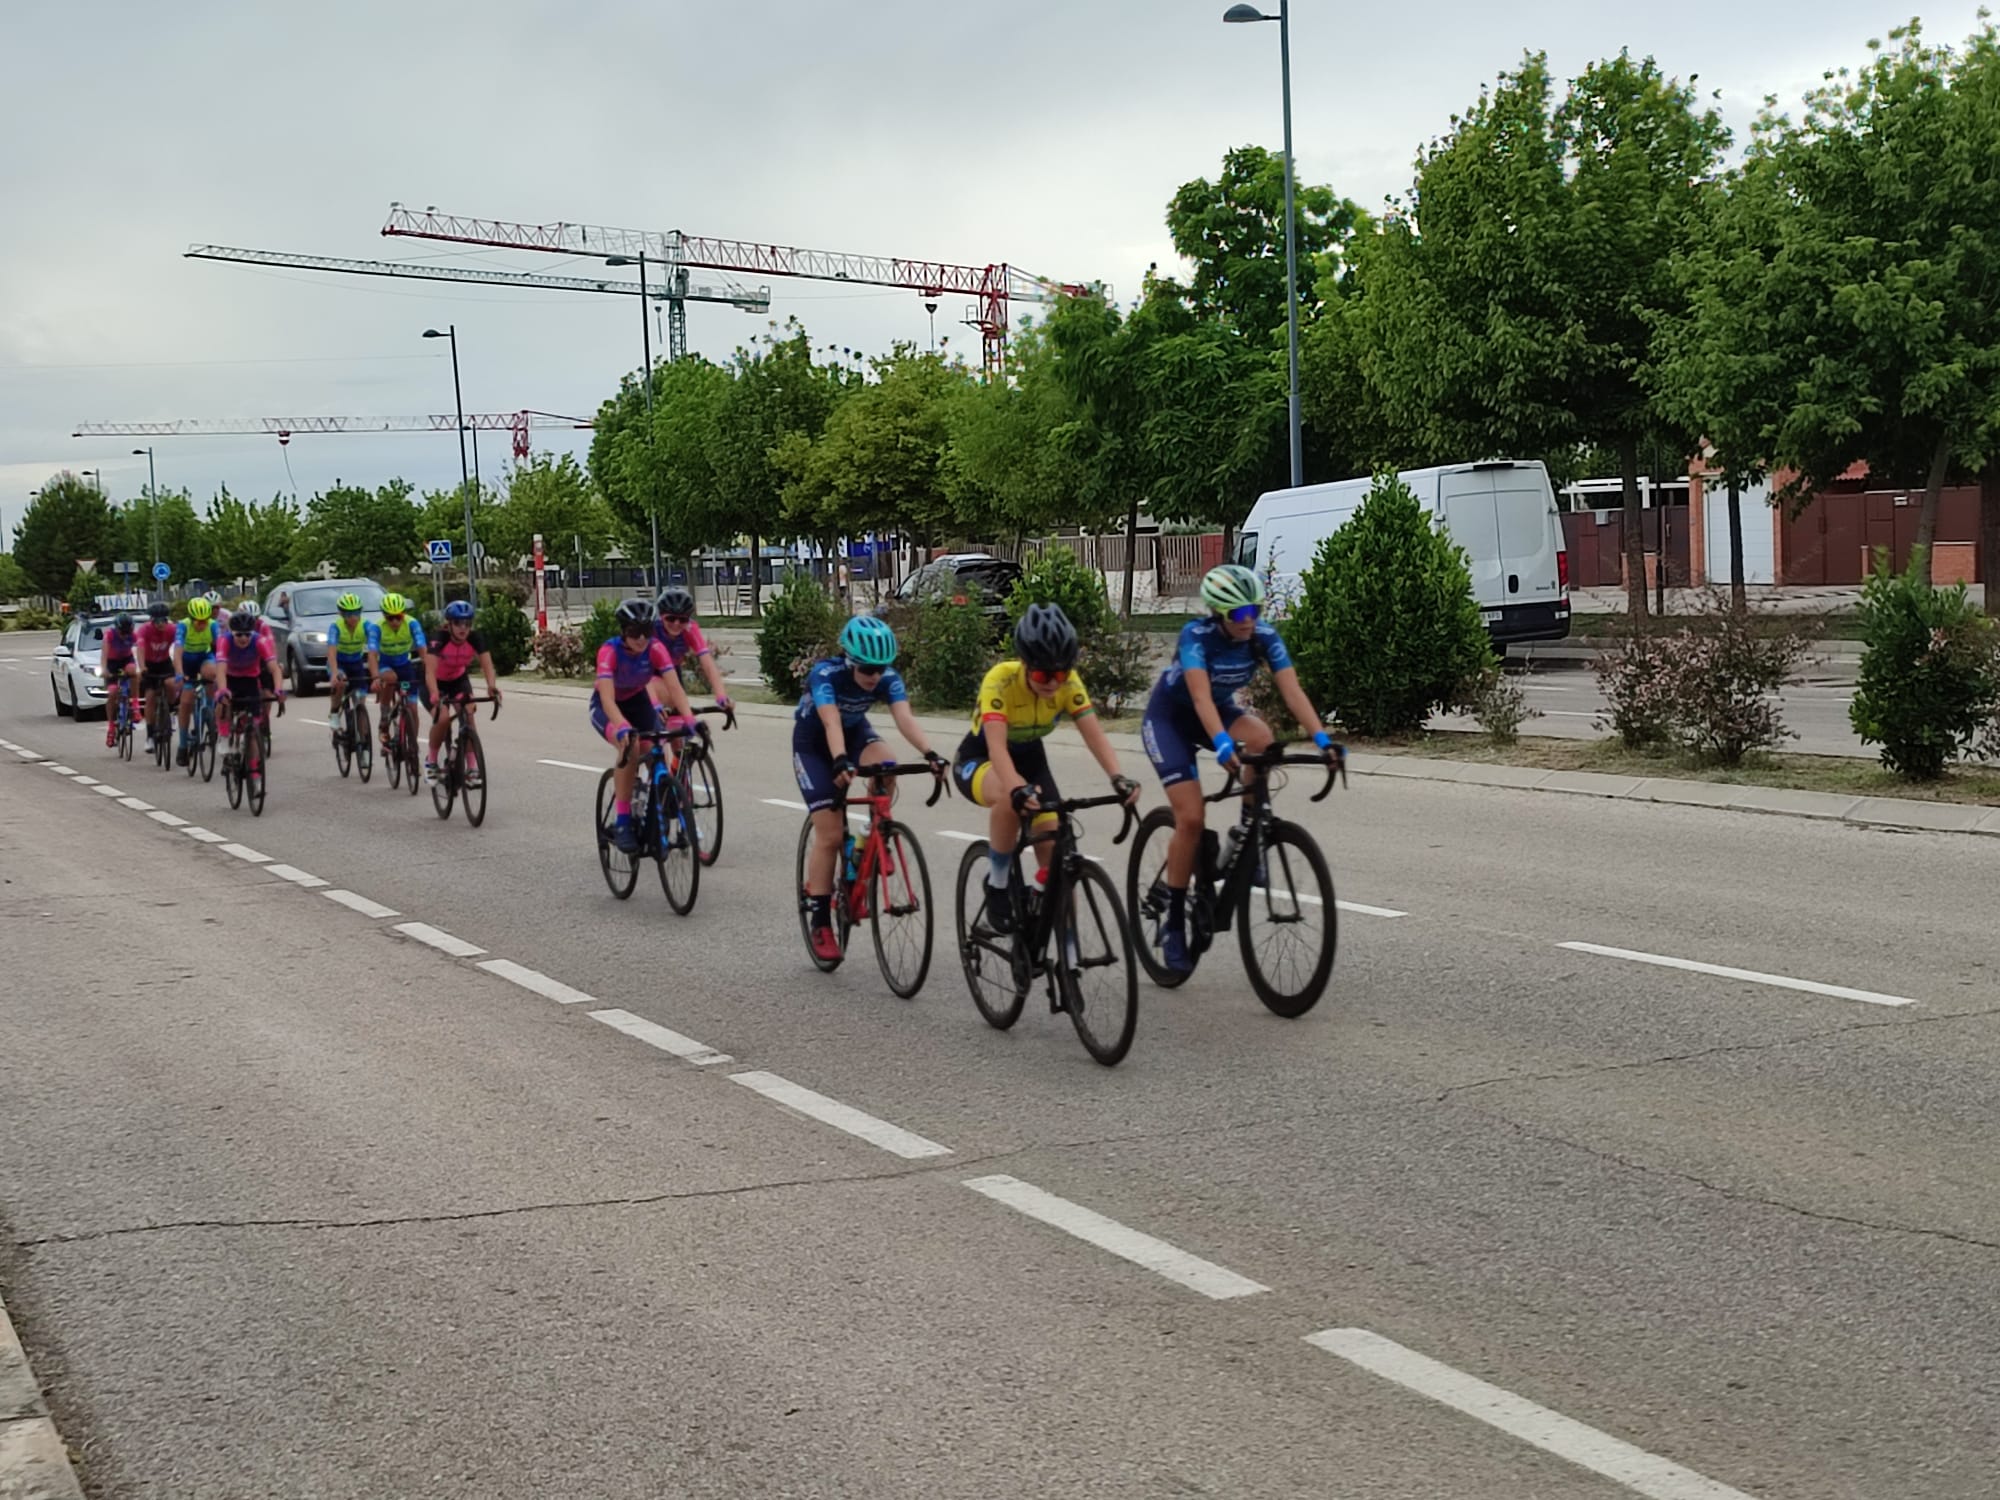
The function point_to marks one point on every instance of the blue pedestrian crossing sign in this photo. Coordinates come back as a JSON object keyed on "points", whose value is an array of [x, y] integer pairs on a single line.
{"points": [[161, 572], [440, 551]]}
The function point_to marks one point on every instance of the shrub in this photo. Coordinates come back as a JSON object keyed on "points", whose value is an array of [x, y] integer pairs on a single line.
{"points": [[1723, 673], [1057, 577], [29, 617], [560, 653], [801, 625], [1116, 668], [508, 634], [692, 677], [1638, 695], [599, 626], [1499, 703], [85, 588], [1930, 680], [944, 651], [1386, 629]]}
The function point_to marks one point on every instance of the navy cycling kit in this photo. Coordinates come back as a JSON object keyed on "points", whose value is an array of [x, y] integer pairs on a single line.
{"points": [[1171, 730], [831, 684]]}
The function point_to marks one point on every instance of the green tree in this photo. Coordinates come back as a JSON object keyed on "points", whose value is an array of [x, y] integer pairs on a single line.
{"points": [[359, 530], [13, 578], [552, 497], [68, 521], [441, 516], [183, 539], [84, 588]]}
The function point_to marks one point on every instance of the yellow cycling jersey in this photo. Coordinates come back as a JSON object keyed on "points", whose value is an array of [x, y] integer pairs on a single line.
{"points": [[198, 637], [347, 642], [1007, 694]]}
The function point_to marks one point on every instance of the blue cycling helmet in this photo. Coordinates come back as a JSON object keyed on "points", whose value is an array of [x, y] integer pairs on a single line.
{"points": [[458, 609], [869, 642]]}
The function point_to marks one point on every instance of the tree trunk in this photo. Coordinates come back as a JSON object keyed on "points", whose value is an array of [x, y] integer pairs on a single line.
{"points": [[1634, 525], [1131, 554], [1739, 598], [1989, 534], [756, 576], [1927, 517]]}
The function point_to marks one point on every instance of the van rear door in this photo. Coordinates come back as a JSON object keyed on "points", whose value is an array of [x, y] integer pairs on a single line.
{"points": [[1525, 509], [1465, 499]]}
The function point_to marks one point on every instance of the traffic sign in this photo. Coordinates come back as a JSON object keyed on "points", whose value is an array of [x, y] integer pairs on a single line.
{"points": [[161, 572], [85, 564], [440, 551]]}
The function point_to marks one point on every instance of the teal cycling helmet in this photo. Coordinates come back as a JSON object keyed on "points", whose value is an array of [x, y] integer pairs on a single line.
{"points": [[869, 642], [1229, 587]]}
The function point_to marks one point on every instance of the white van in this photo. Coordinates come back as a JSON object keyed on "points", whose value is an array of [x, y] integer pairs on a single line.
{"points": [[1503, 513]]}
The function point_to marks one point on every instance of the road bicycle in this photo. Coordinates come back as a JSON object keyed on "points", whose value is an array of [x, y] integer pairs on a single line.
{"points": [[1268, 878], [201, 734], [121, 724], [243, 763], [159, 722], [662, 822], [879, 878], [462, 773], [1065, 927], [701, 782], [353, 746], [401, 757]]}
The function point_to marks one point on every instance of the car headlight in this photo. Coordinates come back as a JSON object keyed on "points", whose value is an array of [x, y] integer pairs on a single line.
{"points": [[86, 668]]}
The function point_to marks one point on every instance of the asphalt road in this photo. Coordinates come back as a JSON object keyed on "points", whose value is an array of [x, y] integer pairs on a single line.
{"points": [[296, 1204]]}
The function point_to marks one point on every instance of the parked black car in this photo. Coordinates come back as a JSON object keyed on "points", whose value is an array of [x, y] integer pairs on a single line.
{"points": [[960, 576]]}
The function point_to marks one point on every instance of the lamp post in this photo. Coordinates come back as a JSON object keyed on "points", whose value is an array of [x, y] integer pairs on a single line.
{"points": [[464, 479], [152, 499], [1237, 15], [646, 346]]}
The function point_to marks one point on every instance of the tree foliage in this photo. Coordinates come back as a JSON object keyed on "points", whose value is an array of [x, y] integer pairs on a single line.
{"points": [[68, 521], [359, 530]]}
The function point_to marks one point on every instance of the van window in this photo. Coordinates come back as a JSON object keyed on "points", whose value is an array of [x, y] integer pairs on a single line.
{"points": [[1246, 549]]}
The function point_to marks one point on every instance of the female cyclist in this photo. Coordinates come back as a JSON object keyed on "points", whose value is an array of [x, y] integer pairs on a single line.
{"points": [[635, 676], [448, 677]]}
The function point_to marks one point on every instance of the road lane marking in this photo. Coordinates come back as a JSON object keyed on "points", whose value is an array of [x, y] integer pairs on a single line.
{"points": [[158, 815], [106, 791], [248, 855], [541, 984], [1364, 911], [891, 1138], [781, 802], [295, 875], [86, 781], [204, 836], [62, 770], [1642, 1472], [443, 941], [28, 754], [1156, 1255], [684, 1047], [963, 838], [1748, 976], [571, 765], [135, 804], [361, 904]]}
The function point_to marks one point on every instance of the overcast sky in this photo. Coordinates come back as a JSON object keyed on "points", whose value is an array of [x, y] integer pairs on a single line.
{"points": [[1047, 135]]}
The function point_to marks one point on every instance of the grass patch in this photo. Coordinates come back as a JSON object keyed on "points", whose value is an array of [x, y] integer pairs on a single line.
{"points": [[1843, 626], [1848, 776]]}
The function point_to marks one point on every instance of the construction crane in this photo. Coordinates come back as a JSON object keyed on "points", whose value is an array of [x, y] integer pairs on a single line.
{"points": [[672, 292], [519, 423], [995, 286]]}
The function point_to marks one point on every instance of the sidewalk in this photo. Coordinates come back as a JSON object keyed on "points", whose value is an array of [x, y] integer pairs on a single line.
{"points": [[34, 1464]]}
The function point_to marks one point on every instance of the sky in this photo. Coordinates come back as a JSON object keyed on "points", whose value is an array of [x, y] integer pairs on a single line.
{"points": [[1042, 134]]}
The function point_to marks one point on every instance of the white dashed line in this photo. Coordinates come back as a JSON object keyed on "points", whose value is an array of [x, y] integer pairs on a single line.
{"points": [[246, 854], [1642, 1472], [1748, 976], [202, 835], [361, 904], [86, 780], [1156, 1255], [781, 802], [571, 765], [135, 804], [106, 791], [539, 983], [29, 754], [61, 770], [891, 1138], [160, 816], [963, 838], [684, 1047], [295, 876], [423, 932]]}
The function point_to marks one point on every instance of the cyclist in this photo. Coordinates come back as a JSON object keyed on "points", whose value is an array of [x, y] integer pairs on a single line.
{"points": [[246, 655], [155, 644], [349, 643], [448, 678], [1194, 704], [1003, 762], [117, 663], [392, 641], [832, 738], [635, 678], [195, 640], [676, 629]]}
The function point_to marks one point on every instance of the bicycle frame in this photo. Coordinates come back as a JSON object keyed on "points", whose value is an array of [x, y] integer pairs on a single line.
{"points": [[1221, 900], [1065, 862], [872, 858]]}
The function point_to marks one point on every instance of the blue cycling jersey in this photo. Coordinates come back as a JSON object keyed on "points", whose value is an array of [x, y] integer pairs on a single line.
{"points": [[1206, 647], [831, 683]]}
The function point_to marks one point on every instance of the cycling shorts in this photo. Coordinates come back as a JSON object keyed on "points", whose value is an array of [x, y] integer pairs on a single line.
{"points": [[245, 693], [192, 662], [456, 688], [812, 761], [1031, 761], [639, 710], [353, 668], [157, 672], [1173, 740]]}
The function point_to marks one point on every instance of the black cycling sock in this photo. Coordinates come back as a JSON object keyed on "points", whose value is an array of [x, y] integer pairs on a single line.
{"points": [[1177, 905], [821, 908]]}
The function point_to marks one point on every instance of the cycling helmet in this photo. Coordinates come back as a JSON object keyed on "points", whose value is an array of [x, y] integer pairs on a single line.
{"points": [[199, 609], [676, 601], [158, 610], [1231, 586], [869, 641], [1046, 639], [123, 624], [249, 607], [636, 614], [395, 604], [243, 621], [459, 609], [348, 604]]}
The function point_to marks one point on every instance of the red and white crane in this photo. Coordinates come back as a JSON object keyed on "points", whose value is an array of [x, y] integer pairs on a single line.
{"points": [[518, 423]]}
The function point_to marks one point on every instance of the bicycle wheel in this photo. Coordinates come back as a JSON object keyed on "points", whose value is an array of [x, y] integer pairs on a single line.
{"points": [[676, 847], [1289, 927], [472, 778], [124, 734], [444, 791], [392, 757], [899, 908], [986, 956], [253, 775], [701, 792], [163, 740], [343, 745], [1094, 968], [413, 770], [1146, 895], [621, 870], [232, 772], [364, 742], [205, 751], [841, 925]]}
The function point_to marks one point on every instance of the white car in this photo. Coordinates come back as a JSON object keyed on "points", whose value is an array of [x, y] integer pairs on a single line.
{"points": [[74, 678]]}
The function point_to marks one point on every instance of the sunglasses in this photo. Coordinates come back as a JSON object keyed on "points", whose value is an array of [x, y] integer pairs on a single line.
{"points": [[860, 670], [1244, 614], [1059, 675], [675, 619], [241, 635]]}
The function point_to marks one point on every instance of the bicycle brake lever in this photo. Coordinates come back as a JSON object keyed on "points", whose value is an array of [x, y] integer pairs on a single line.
{"points": [[937, 791], [1125, 828]]}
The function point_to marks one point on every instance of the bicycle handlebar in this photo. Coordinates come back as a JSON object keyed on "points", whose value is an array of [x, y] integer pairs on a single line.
{"points": [[485, 698], [729, 720], [1063, 807], [1280, 754], [888, 769]]}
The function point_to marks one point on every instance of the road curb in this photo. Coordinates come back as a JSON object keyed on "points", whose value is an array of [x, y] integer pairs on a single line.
{"points": [[34, 1464]]}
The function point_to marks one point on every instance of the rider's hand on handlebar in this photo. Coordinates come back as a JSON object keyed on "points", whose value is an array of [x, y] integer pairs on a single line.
{"points": [[1026, 796], [1127, 788], [843, 770], [1225, 750]]}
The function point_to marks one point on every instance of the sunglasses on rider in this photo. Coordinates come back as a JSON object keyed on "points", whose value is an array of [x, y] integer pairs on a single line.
{"points": [[1059, 676], [862, 669], [1243, 614], [675, 619]]}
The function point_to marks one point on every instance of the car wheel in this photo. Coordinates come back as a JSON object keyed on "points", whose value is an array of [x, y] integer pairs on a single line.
{"points": [[302, 682], [63, 710]]}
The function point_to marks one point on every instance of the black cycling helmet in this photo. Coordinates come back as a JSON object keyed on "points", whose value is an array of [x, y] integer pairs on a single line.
{"points": [[242, 623], [636, 614], [1046, 639], [676, 600], [158, 609], [123, 623]]}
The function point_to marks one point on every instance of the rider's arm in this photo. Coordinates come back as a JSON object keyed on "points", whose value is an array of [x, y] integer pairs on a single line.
{"points": [[1203, 699], [714, 675], [836, 733], [486, 666], [994, 730], [267, 656], [1296, 700], [906, 721], [1099, 744]]}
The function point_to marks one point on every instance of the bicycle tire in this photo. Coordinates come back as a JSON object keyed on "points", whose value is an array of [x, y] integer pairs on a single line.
{"points": [[206, 751], [364, 741], [621, 870], [1281, 837], [232, 773], [444, 791], [840, 923], [413, 770], [194, 743], [471, 798], [897, 894], [163, 747], [1157, 824], [676, 847], [701, 790], [392, 758], [343, 746], [986, 967], [253, 775], [124, 734], [1092, 888]]}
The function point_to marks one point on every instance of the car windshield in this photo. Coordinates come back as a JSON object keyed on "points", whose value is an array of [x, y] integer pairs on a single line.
{"points": [[322, 601]]}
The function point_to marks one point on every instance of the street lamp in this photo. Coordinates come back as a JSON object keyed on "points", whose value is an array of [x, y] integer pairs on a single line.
{"points": [[1239, 15], [152, 499], [464, 479], [96, 474], [646, 345]]}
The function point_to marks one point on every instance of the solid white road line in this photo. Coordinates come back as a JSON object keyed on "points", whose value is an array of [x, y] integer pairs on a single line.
{"points": [[1156, 1255], [423, 932], [781, 802], [891, 1138], [160, 816], [246, 854], [963, 838], [570, 765], [1366, 911], [204, 836], [1748, 976], [295, 876], [684, 1047], [1642, 1472], [135, 804], [540, 984], [361, 904]]}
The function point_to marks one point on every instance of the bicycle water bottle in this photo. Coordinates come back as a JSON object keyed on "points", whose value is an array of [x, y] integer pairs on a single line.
{"points": [[1232, 844], [849, 858], [1037, 888]]}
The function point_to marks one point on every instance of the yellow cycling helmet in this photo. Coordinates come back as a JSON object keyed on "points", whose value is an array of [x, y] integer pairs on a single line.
{"points": [[348, 604], [395, 604], [199, 609]]}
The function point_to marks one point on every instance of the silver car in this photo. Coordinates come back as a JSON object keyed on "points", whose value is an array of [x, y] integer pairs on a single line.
{"points": [[301, 616], [74, 678]]}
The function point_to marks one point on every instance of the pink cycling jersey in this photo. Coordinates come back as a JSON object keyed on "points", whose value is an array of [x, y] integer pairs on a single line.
{"points": [[690, 642], [455, 658], [155, 640], [245, 659], [631, 673]]}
